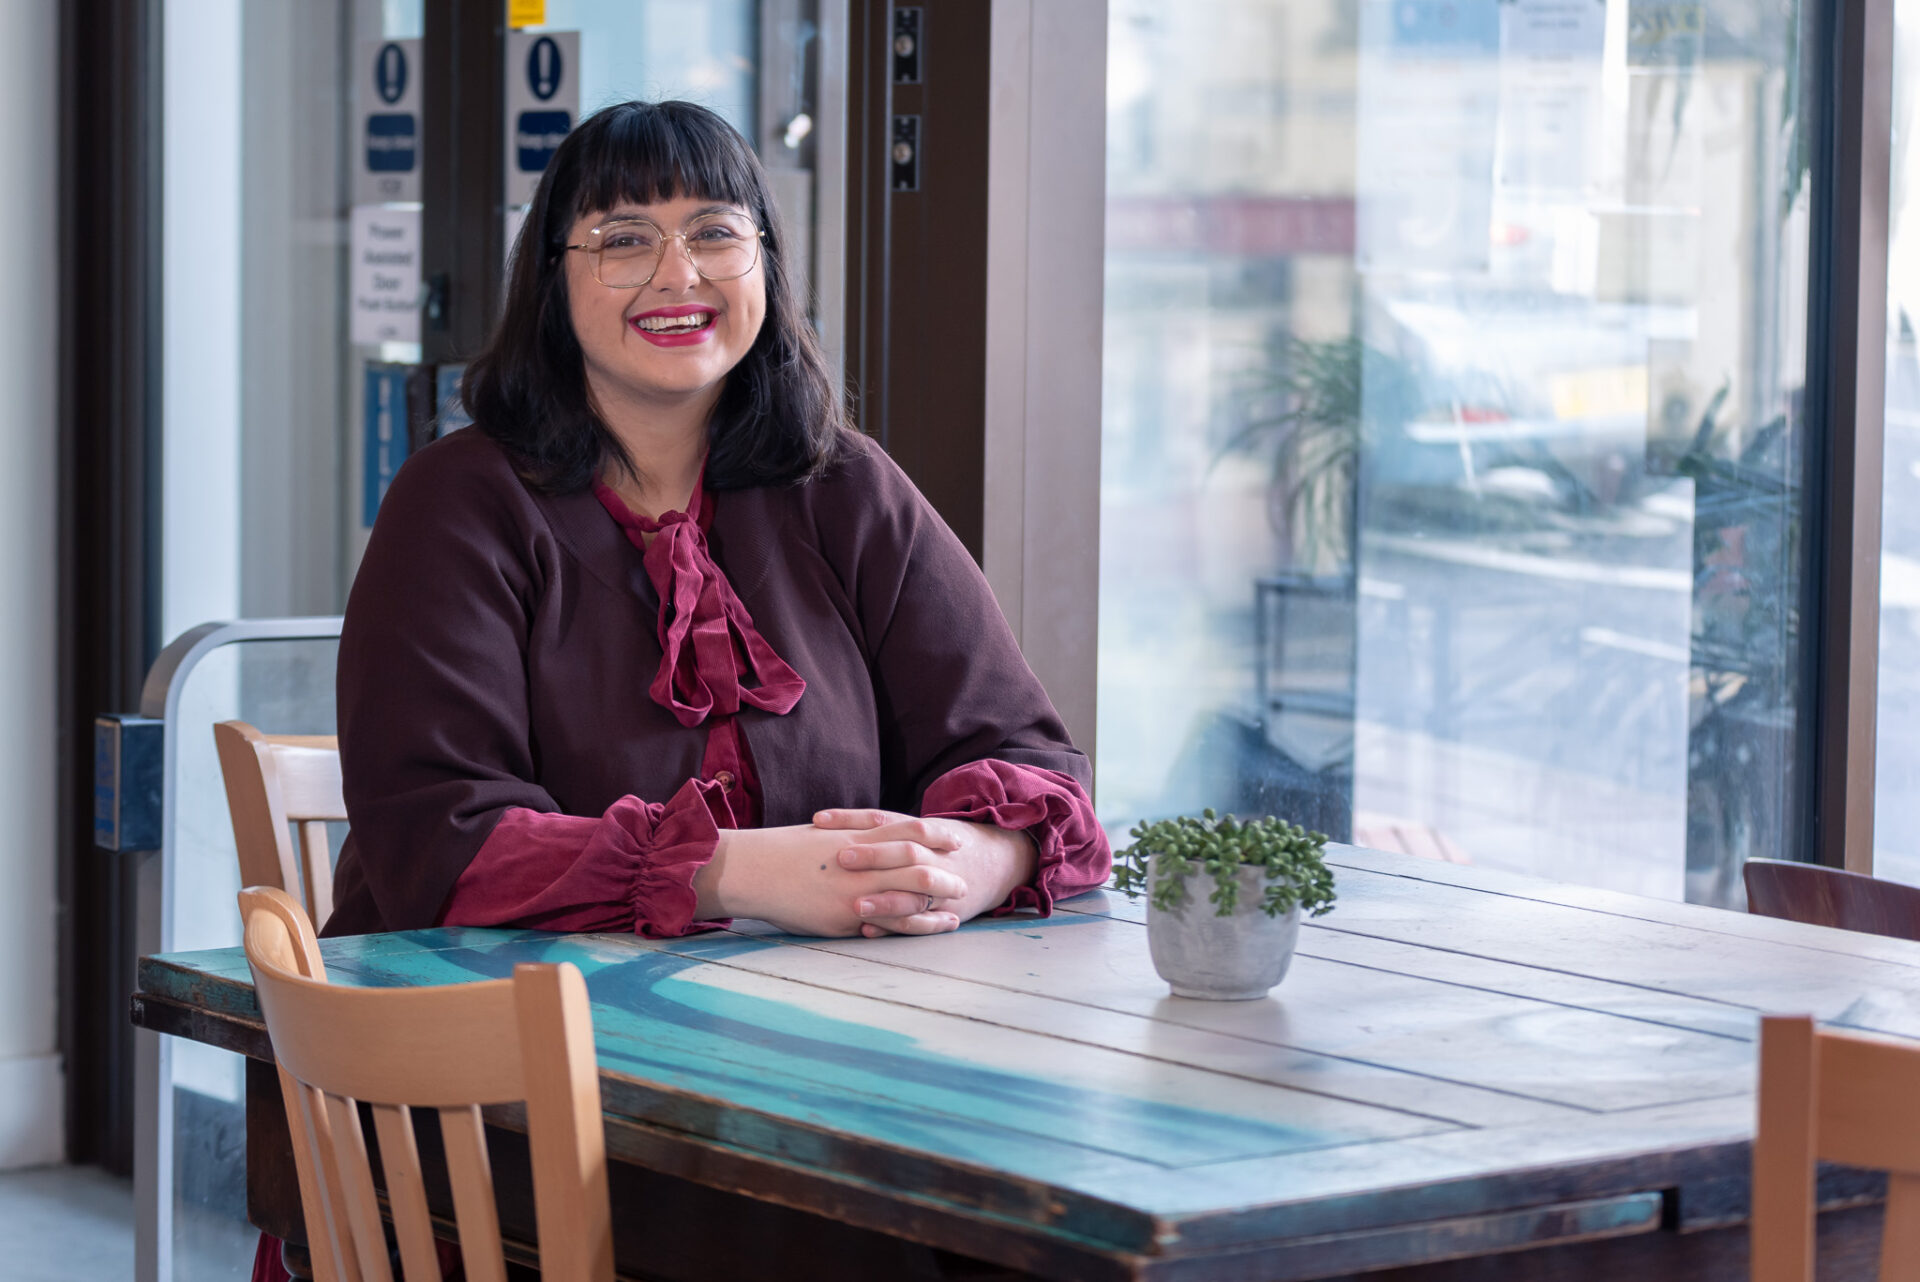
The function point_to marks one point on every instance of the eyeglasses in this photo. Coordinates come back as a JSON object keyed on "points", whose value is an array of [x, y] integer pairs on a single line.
{"points": [[626, 252]]}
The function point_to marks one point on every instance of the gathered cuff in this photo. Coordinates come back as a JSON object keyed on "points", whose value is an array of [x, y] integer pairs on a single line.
{"points": [[1048, 806], [631, 868], [672, 844]]}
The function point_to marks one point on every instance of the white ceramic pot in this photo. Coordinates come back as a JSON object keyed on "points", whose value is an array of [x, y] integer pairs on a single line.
{"points": [[1233, 958]]}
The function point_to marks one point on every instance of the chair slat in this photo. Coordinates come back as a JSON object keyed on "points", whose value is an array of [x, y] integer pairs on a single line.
{"points": [[356, 1175], [316, 868], [566, 1140], [1900, 1235], [312, 1153], [327, 1217], [1783, 1149], [406, 1193], [474, 1210]]}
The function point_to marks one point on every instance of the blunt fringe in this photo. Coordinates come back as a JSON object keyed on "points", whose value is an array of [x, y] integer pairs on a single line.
{"points": [[777, 420]]}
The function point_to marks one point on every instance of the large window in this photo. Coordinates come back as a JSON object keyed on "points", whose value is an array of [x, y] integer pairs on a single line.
{"points": [[1452, 438]]}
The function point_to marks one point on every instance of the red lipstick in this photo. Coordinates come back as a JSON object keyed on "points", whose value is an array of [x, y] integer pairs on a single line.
{"points": [[680, 326]]}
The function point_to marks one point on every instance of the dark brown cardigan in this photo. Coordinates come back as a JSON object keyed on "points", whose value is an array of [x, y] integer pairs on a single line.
{"points": [[499, 644]]}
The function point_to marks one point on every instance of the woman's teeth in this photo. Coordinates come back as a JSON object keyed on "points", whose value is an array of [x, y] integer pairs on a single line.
{"points": [[674, 324]]}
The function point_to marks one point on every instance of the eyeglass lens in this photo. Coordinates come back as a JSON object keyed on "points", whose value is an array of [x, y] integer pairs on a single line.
{"points": [[627, 251]]}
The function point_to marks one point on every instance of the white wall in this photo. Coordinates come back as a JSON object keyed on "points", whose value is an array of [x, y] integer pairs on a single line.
{"points": [[31, 1104]]}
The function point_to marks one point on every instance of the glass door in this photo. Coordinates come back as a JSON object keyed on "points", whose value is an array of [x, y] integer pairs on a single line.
{"points": [[1452, 447], [296, 379]]}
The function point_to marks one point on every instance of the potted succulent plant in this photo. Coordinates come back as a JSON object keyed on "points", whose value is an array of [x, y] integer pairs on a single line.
{"points": [[1236, 944]]}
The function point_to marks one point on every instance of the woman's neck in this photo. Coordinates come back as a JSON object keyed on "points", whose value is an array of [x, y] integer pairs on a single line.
{"points": [[667, 445]]}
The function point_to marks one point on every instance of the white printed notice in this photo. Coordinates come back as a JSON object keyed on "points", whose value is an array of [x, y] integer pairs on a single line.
{"points": [[1550, 99], [386, 274]]}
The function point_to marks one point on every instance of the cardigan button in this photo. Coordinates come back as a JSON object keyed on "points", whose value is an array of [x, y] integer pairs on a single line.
{"points": [[725, 779]]}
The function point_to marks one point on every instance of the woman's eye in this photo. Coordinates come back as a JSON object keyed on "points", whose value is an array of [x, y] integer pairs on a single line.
{"points": [[627, 240], [716, 234]]}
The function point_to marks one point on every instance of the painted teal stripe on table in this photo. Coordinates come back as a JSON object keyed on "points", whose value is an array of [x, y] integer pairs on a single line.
{"points": [[687, 1043], [775, 1057]]}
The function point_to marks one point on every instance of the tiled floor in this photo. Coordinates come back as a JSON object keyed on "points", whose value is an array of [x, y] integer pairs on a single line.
{"points": [[75, 1224]]}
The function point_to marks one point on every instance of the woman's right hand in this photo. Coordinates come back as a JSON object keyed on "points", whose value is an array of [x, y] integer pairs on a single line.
{"points": [[792, 878]]}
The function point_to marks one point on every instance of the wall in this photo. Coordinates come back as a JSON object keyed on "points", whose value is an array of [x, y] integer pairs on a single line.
{"points": [[31, 1104]]}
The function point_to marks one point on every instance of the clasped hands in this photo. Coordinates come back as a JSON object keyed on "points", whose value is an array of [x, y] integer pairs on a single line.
{"points": [[864, 872]]}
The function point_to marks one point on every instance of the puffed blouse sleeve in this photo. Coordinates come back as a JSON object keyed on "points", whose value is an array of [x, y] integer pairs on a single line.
{"points": [[966, 729]]}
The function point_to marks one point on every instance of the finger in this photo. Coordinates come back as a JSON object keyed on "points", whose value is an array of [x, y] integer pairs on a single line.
{"points": [[888, 854], [921, 879], [934, 834], [933, 923], [856, 818], [890, 903]]}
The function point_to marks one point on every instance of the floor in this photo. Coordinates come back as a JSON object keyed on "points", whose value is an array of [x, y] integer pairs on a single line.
{"points": [[75, 1224]]}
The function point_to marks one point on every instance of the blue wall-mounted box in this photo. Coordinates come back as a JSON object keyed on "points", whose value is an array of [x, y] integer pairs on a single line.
{"points": [[126, 782]]}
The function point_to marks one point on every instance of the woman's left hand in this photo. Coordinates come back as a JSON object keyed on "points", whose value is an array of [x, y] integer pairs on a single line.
{"points": [[992, 861]]}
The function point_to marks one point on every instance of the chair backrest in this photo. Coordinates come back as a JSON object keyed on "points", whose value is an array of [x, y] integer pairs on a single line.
{"points": [[1840, 1098], [1822, 896], [278, 781], [451, 1049]]}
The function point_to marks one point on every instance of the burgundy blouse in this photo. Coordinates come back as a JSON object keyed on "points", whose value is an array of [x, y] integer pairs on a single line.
{"points": [[632, 868]]}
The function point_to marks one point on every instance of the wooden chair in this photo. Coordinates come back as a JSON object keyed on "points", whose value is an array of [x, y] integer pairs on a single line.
{"points": [[451, 1049], [1822, 896], [274, 781], [1841, 1098]]}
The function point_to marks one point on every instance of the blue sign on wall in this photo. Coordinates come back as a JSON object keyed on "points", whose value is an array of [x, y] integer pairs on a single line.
{"points": [[391, 147], [386, 432], [537, 135], [545, 69], [542, 82], [390, 72]]}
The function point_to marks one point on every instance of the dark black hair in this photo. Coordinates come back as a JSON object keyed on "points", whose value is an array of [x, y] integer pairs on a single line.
{"points": [[778, 418]]}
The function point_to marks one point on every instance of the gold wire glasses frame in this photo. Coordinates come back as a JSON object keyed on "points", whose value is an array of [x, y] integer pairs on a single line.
{"points": [[626, 253]]}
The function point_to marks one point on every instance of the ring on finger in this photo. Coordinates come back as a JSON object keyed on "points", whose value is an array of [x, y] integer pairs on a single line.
{"points": [[929, 907]]}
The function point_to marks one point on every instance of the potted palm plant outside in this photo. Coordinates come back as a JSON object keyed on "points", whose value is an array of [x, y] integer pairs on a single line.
{"points": [[1224, 899]]}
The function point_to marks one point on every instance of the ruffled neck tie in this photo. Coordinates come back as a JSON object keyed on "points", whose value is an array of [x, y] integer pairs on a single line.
{"points": [[707, 639]]}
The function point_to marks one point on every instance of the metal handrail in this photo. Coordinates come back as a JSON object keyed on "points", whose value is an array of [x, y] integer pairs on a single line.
{"points": [[153, 1055]]}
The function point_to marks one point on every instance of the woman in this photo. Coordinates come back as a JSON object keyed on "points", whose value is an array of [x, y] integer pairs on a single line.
{"points": [[659, 642]]}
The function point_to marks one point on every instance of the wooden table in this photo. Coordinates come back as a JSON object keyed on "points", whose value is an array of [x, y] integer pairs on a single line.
{"points": [[1467, 1074]]}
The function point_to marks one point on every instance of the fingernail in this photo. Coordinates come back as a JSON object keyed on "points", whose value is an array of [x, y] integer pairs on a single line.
{"points": [[866, 908]]}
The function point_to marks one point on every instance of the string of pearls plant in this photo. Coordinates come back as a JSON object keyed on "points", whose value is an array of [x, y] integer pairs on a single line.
{"points": [[1294, 860]]}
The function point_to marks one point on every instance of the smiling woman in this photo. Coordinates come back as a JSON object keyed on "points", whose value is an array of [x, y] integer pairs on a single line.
{"points": [[659, 641]]}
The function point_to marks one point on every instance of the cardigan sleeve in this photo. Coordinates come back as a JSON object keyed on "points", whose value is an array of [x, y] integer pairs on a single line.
{"points": [[952, 685], [1048, 806], [435, 741], [631, 869]]}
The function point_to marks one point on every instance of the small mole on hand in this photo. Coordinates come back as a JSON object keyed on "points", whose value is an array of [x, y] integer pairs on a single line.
{"points": [[823, 867]]}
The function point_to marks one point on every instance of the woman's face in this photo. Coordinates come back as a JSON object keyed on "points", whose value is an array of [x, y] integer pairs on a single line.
{"points": [[676, 337]]}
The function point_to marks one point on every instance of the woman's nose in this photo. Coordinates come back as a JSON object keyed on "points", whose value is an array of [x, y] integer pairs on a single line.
{"points": [[676, 270]]}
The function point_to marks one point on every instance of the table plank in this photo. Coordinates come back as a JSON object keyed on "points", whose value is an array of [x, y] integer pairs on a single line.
{"points": [[1620, 904], [1559, 1054]]}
